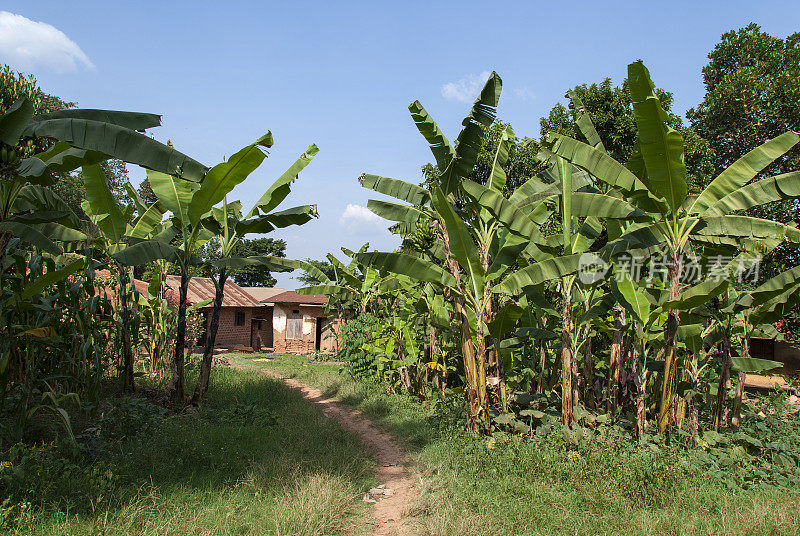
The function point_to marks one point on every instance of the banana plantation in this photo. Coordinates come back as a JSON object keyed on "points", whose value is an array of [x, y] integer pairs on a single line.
{"points": [[601, 291], [586, 331]]}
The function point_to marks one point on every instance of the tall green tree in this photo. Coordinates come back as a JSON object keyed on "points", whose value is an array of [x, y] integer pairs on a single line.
{"points": [[257, 275], [611, 109], [752, 83]]}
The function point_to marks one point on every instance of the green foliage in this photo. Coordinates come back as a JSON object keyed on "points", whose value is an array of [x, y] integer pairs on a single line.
{"points": [[38, 475], [752, 83], [611, 110], [521, 160], [257, 276], [63, 328], [353, 343]]}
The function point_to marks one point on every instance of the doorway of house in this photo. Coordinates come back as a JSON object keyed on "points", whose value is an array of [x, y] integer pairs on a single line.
{"points": [[255, 338], [318, 338]]}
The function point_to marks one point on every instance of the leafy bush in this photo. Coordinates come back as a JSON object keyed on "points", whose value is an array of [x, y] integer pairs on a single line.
{"points": [[128, 417], [355, 338], [71, 474], [54, 472]]}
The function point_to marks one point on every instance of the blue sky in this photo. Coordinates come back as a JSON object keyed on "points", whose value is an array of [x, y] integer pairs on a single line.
{"points": [[341, 74]]}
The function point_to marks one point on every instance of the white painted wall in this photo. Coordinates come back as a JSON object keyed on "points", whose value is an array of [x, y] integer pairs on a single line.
{"points": [[309, 323], [279, 319]]}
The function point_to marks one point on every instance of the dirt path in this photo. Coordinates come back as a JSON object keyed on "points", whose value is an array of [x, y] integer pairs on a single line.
{"points": [[392, 501]]}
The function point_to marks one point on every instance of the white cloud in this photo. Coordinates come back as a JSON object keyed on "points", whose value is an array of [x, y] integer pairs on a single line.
{"points": [[466, 89], [525, 93], [355, 215], [26, 45]]}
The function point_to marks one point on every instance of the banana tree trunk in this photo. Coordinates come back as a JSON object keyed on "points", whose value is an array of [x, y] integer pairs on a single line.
{"points": [[208, 353], [470, 368], [588, 375], [476, 389], [481, 367], [615, 362], [542, 360], [681, 406], [127, 350], [566, 355], [640, 375], [724, 378], [176, 384], [441, 374], [736, 411], [667, 401]]}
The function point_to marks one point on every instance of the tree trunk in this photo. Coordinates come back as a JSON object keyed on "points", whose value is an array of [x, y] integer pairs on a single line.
{"points": [[480, 365], [566, 355], [640, 374], [588, 375], [476, 392], [176, 384], [470, 368], [615, 362], [724, 377], [208, 354], [127, 350], [736, 411], [681, 406], [542, 360], [666, 404]]}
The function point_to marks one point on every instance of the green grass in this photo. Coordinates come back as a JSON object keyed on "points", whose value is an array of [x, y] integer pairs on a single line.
{"points": [[510, 487], [258, 459], [255, 460]]}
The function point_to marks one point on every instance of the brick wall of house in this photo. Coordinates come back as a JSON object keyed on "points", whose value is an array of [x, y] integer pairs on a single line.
{"points": [[229, 334], [330, 335]]}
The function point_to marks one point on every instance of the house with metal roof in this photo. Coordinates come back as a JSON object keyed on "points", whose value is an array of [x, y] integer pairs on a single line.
{"points": [[300, 324], [261, 318], [243, 320]]}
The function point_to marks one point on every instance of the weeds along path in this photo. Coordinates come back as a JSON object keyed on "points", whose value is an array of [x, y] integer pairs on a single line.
{"points": [[393, 470]]}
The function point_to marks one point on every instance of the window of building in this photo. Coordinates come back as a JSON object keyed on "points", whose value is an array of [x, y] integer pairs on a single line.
{"points": [[294, 325], [239, 321]]}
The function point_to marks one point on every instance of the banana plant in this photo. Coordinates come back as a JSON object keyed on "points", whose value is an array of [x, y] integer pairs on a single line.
{"points": [[116, 225], [190, 204], [27, 211], [465, 277], [155, 311], [356, 288], [175, 195], [232, 227], [755, 311], [654, 180]]}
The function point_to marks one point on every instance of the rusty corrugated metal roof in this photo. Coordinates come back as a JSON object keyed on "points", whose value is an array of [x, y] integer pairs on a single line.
{"points": [[263, 294], [140, 285], [291, 296], [202, 288]]}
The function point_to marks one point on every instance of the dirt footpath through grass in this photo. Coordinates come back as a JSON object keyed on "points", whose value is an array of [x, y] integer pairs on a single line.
{"points": [[395, 495]]}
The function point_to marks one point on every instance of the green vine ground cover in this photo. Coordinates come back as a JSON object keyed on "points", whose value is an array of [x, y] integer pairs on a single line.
{"points": [[602, 485], [255, 460]]}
